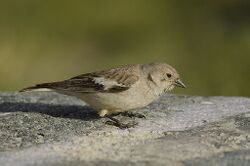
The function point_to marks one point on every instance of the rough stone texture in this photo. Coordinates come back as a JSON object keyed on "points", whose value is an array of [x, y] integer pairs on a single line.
{"points": [[51, 129]]}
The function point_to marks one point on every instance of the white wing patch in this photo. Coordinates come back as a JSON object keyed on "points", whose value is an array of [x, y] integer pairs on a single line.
{"points": [[107, 83]]}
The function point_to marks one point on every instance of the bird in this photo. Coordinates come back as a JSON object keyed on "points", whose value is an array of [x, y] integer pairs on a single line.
{"points": [[118, 89]]}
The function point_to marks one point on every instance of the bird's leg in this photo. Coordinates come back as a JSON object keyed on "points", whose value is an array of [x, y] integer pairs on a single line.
{"points": [[103, 113], [115, 122], [132, 114]]}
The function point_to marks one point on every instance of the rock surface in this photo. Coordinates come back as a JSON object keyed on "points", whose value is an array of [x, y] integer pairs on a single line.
{"points": [[51, 129]]}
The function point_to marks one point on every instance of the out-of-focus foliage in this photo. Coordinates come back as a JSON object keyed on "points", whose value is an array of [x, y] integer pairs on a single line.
{"points": [[207, 41]]}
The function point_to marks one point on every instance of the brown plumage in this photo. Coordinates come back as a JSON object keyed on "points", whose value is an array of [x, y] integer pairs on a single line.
{"points": [[88, 83]]}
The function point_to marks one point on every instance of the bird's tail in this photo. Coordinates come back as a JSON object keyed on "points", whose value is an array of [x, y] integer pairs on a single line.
{"points": [[38, 87]]}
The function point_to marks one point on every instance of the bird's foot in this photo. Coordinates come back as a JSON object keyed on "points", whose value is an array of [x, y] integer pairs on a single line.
{"points": [[132, 114], [117, 123]]}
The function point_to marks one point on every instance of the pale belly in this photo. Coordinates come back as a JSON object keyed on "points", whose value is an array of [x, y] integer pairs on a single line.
{"points": [[117, 102]]}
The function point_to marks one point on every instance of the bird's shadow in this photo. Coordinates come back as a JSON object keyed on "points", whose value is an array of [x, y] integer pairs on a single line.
{"points": [[64, 111]]}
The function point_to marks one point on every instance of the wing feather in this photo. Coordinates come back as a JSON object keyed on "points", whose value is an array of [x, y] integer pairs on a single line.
{"points": [[112, 80]]}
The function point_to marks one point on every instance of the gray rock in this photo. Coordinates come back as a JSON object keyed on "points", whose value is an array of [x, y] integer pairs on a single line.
{"points": [[53, 129]]}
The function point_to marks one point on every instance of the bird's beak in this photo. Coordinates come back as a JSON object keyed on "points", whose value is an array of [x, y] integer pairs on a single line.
{"points": [[179, 83]]}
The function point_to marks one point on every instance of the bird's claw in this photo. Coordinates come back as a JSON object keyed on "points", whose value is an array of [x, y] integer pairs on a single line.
{"points": [[131, 114], [121, 125]]}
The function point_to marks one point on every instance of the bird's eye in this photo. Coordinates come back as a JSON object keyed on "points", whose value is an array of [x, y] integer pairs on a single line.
{"points": [[169, 75]]}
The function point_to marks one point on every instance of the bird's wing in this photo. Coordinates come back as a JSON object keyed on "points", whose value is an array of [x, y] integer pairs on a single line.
{"points": [[113, 80]]}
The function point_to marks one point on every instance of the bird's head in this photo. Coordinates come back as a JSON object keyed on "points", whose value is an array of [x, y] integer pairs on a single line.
{"points": [[165, 76]]}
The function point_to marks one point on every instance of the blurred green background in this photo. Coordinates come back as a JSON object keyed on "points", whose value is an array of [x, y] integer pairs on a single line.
{"points": [[208, 42]]}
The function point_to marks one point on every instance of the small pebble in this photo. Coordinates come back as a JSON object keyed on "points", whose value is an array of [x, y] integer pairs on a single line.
{"points": [[207, 102]]}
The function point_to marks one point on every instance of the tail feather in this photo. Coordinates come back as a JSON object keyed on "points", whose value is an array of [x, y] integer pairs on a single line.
{"points": [[38, 87]]}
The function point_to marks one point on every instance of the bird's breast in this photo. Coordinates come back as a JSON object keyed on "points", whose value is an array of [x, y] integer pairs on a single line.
{"points": [[126, 100]]}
